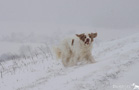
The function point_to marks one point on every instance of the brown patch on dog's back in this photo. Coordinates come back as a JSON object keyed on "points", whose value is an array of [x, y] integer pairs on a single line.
{"points": [[72, 42], [81, 36]]}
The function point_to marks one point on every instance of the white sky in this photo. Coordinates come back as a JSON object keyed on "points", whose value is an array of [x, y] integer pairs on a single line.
{"points": [[95, 13]]}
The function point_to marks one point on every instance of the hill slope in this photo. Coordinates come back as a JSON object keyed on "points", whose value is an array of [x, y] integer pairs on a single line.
{"points": [[114, 58]]}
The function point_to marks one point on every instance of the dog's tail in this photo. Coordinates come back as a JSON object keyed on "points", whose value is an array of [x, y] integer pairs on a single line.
{"points": [[57, 52]]}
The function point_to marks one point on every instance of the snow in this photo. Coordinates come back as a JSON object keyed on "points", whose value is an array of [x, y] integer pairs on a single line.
{"points": [[125, 81], [13, 47], [117, 63], [30, 28]]}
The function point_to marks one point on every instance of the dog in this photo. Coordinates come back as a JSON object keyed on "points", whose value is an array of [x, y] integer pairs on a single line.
{"points": [[76, 49]]}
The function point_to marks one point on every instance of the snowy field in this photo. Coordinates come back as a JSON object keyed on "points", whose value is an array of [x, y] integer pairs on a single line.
{"points": [[29, 29], [32, 66]]}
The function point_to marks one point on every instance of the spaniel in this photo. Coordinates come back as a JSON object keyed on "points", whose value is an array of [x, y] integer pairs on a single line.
{"points": [[76, 49]]}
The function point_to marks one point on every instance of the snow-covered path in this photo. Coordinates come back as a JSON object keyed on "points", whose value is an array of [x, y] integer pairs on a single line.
{"points": [[113, 58], [125, 82]]}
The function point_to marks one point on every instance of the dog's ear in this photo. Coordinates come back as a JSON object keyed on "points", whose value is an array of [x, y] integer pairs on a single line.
{"points": [[77, 35], [80, 35], [94, 35]]}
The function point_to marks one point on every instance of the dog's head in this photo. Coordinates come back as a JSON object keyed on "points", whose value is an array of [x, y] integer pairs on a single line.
{"points": [[87, 38]]}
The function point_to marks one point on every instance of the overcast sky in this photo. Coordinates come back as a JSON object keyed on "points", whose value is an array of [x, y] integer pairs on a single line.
{"points": [[95, 13]]}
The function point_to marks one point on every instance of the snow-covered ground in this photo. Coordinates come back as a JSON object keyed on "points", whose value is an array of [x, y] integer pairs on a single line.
{"points": [[117, 64], [13, 47]]}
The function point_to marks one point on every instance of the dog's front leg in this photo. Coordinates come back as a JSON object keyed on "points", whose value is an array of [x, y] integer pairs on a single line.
{"points": [[65, 61], [72, 61]]}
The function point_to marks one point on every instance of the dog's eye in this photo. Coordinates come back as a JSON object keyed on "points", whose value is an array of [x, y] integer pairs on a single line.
{"points": [[84, 36]]}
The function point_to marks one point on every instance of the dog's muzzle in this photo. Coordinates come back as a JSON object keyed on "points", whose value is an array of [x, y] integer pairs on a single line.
{"points": [[87, 41]]}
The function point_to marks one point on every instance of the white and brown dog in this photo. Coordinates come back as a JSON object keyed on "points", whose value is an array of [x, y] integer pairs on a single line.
{"points": [[76, 49]]}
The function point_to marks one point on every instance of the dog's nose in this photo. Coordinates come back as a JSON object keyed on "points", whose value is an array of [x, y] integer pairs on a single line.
{"points": [[87, 39]]}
